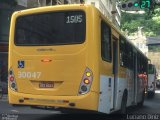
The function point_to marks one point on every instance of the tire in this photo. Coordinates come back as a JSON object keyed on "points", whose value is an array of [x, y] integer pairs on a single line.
{"points": [[140, 104], [123, 109]]}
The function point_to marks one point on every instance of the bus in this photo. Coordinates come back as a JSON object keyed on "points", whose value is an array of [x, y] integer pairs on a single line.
{"points": [[73, 57], [151, 80]]}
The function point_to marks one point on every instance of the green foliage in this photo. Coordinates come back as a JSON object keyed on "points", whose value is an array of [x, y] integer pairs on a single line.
{"points": [[149, 22]]}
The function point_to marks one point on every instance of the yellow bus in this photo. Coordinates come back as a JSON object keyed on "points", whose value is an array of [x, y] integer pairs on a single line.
{"points": [[71, 56]]}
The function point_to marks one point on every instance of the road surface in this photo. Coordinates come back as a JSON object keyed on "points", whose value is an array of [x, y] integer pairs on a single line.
{"points": [[150, 110]]}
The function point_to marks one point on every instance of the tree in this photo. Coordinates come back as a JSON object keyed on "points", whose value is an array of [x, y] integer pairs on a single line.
{"points": [[150, 23]]}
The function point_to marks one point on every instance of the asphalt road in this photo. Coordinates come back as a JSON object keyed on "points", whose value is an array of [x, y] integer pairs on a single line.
{"points": [[151, 106], [150, 110]]}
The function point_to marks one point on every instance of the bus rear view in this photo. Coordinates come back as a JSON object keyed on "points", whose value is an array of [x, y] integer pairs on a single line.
{"points": [[48, 59]]}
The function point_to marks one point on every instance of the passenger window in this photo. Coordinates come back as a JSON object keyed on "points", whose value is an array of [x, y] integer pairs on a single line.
{"points": [[126, 53], [105, 42], [123, 55]]}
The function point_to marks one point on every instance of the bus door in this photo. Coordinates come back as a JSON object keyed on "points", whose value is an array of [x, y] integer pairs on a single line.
{"points": [[115, 71]]}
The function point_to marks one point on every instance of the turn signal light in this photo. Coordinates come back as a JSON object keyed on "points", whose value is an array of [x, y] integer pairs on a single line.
{"points": [[86, 81]]}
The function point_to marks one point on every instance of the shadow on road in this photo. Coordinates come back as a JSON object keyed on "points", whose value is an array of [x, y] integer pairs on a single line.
{"points": [[85, 117]]}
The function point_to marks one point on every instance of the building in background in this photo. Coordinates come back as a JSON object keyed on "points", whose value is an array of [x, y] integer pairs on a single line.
{"points": [[109, 8], [105, 6], [39, 3]]}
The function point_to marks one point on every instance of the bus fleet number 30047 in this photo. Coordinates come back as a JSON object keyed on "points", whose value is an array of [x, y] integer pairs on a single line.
{"points": [[24, 74]]}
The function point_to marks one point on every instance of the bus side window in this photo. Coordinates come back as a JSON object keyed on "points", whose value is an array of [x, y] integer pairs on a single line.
{"points": [[123, 56], [105, 42]]}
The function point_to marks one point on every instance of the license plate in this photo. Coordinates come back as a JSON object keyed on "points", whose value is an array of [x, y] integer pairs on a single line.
{"points": [[46, 85]]}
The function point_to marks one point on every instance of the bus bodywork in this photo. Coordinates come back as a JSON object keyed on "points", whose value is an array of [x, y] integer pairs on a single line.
{"points": [[57, 57]]}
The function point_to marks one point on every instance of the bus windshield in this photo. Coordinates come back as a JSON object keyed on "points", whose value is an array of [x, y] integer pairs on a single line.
{"points": [[53, 28]]}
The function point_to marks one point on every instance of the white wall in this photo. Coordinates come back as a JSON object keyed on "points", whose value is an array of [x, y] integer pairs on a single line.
{"points": [[103, 5]]}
